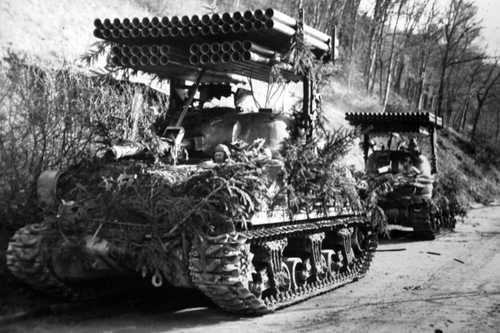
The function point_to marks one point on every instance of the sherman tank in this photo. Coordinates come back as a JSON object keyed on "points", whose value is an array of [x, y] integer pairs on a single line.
{"points": [[218, 199], [398, 171]]}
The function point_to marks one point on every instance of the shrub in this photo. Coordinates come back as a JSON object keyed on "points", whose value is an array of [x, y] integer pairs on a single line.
{"points": [[453, 186], [485, 152], [49, 119], [466, 172]]}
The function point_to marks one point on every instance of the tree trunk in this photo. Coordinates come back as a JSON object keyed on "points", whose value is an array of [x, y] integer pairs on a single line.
{"points": [[497, 132], [381, 20], [381, 78], [397, 82], [388, 83], [463, 115], [349, 16], [477, 116], [370, 63], [372, 71], [390, 69], [442, 77]]}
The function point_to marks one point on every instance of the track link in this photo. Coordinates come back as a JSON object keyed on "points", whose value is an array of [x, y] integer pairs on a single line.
{"points": [[220, 267]]}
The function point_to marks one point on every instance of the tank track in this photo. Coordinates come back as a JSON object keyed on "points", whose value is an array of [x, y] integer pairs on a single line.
{"points": [[28, 259], [220, 266], [426, 221]]}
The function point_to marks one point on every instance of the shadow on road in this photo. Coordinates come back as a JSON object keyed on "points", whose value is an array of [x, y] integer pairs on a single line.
{"points": [[404, 237], [165, 309]]}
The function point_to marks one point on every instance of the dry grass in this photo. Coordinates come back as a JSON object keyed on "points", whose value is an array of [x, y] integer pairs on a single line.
{"points": [[60, 31], [464, 174], [57, 31]]}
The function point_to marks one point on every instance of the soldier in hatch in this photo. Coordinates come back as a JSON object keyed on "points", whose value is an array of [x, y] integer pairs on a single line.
{"points": [[407, 168]]}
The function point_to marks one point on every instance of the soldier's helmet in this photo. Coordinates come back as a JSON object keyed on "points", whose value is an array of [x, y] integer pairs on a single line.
{"points": [[221, 153]]}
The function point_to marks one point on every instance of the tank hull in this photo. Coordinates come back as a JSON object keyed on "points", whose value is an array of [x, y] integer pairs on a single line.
{"points": [[128, 218]]}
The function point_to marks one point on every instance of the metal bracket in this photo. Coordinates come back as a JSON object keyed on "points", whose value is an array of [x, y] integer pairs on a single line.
{"points": [[271, 253], [344, 240], [314, 244], [176, 133]]}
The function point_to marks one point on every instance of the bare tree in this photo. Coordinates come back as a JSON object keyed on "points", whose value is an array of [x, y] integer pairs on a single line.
{"points": [[497, 118], [412, 16], [375, 40], [483, 93], [347, 34], [460, 28], [470, 80], [422, 49]]}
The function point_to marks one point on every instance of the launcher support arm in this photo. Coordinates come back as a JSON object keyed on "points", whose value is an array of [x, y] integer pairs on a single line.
{"points": [[176, 133]]}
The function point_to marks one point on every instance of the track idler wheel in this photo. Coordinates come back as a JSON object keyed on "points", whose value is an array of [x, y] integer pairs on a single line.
{"points": [[28, 258]]}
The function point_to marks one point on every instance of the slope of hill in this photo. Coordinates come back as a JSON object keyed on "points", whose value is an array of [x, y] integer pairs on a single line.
{"points": [[56, 31], [61, 31], [463, 169]]}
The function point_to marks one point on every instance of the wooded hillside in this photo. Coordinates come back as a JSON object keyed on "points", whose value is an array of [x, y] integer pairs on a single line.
{"points": [[414, 55]]}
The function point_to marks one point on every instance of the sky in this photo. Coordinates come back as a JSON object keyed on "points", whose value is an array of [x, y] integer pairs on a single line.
{"points": [[488, 12]]}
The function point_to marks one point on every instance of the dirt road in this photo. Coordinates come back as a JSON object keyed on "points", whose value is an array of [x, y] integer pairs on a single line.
{"points": [[451, 284]]}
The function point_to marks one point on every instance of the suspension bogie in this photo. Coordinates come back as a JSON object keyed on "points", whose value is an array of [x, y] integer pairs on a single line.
{"points": [[289, 267]]}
